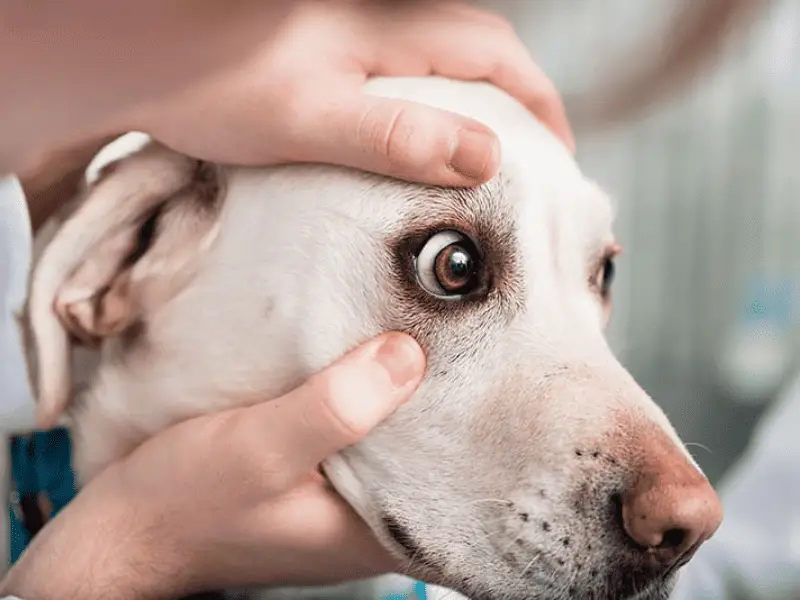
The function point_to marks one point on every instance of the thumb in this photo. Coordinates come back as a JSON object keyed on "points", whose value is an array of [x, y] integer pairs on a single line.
{"points": [[402, 139], [340, 405]]}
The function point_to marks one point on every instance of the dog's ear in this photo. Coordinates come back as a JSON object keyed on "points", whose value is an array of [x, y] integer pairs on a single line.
{"points": [[133, 243]]}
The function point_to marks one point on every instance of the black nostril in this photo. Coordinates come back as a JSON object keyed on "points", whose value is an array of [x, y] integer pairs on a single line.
{"points": [[616, 506], [673, 538]]}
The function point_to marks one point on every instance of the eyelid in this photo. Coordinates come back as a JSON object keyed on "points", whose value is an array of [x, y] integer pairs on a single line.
{"points": [[611, 251]]}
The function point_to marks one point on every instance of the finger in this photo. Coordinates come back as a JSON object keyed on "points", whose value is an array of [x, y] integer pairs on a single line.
{"points": [[401, 139], [507, 65], [477, 47], [335, 408], [530, 86]]}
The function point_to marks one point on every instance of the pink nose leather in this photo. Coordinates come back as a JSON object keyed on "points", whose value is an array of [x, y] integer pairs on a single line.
{"points": [[671, 508]]}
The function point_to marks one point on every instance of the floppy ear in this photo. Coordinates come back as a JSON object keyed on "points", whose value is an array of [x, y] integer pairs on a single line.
{"points": [[133, 243]]}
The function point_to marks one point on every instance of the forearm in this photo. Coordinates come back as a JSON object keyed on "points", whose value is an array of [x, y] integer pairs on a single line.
{"points": [[100, 546], [69, 70]]}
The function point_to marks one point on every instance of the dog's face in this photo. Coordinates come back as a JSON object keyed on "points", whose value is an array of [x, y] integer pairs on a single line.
{"points": [[528, 464]]}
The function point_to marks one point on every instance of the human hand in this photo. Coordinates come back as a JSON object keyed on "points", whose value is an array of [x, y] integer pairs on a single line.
{"points": [[301, 98], [229, 499]]}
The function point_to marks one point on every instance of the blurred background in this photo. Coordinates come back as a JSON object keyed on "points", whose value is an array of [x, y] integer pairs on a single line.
{"points": [[707, 187]]}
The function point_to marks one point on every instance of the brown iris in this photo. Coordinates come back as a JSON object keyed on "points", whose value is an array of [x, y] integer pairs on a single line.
{"points": [[448, 265], [454, 269]]}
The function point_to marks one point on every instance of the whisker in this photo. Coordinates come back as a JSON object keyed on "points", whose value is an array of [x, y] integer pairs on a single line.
{"points": [[490, 501], [529, 565], [698, 445]]}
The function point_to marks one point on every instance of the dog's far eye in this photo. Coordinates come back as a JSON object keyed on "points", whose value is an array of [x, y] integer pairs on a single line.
{"points": [[447, 266], [604, 277], [607, 276]]}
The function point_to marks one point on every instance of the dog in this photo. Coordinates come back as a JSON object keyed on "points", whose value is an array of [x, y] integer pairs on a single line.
{"points": [[528, 464]]}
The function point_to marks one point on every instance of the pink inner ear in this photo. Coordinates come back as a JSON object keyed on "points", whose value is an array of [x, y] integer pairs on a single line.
{"points": [[102, 314], [109, 217], [86, 303]]}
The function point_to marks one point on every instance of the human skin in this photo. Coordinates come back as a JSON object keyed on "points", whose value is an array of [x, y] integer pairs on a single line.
{"points": [[166, 521], [92, 69]]}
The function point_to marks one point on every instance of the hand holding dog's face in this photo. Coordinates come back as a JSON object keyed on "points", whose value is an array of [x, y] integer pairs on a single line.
{"points": [[231, 498]]}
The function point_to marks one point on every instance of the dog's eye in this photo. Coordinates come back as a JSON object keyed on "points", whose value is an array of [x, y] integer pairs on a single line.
{"points": [[447, 265], [606, 276]]}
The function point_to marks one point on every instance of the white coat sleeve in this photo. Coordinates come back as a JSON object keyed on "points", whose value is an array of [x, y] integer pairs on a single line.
{"points": [[16, 405]]}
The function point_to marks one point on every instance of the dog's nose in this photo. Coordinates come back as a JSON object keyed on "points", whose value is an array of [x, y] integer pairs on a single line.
{"points": [[671, 509]]}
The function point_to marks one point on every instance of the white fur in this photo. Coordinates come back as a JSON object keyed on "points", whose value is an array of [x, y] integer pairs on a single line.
{"points": [[525, 425]]}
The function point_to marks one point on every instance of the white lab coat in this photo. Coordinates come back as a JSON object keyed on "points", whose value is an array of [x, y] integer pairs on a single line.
{"points": [[16, 406], [754, 556]]}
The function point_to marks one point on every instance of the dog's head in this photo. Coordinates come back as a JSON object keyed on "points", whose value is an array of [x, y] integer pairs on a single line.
{"points": [[529, 464]]}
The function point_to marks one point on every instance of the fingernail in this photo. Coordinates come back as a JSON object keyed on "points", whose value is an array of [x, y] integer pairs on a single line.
{"points": [[475, 154], [402, 358]]}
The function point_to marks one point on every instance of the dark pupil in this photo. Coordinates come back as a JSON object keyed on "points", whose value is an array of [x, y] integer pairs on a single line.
{"points": [[454, 268], [608, 275]]}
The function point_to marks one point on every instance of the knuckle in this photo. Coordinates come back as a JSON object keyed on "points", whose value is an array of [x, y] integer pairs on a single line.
{"points": [[399, 137], [381, 129], [402, 135]]}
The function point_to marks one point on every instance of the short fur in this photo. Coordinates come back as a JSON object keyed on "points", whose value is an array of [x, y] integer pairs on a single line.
{"points": [[208, 287]]}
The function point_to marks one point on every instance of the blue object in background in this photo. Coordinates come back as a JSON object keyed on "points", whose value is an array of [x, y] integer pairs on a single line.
{"points": [[771, 299], [757, 353], [419, 593], [40, 464]]}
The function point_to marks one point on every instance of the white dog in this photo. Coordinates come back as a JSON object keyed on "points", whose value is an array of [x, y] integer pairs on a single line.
{"points": [[529, 464]]}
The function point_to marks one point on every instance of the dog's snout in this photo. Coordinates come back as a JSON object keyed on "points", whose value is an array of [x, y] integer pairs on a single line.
{"points": [[671, 508]]}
